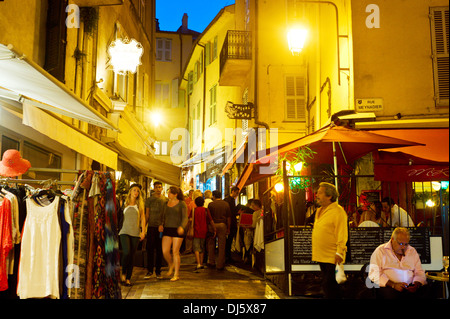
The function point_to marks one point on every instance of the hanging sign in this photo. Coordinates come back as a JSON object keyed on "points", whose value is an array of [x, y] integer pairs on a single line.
{"points": [[125, 55]]}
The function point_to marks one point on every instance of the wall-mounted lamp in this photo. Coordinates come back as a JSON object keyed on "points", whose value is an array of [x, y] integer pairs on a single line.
{"points": [[279, 187], [296, 39]]}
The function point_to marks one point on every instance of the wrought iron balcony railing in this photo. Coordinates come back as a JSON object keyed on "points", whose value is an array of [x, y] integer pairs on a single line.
{"points": [[237, 46]]}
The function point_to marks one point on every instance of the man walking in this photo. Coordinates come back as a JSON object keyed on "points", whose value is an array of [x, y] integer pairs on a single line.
{"points": [[221, 215], [329, 237], [231, 200], [154, 206]]}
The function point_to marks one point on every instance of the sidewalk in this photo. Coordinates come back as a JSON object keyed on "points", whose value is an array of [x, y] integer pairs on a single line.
{"points": [[231, 283]]}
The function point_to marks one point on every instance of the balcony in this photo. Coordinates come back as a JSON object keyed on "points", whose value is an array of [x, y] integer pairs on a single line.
{"points": [[235, 58]]}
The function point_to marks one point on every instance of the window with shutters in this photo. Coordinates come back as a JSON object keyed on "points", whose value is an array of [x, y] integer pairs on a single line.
{"points": [[440, 45], [190, 82], [295, 98], [162, 94], [213, 105], [55, 54], [163, 49]]}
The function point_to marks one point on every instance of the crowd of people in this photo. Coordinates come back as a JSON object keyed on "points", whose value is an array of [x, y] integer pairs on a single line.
{"points": [[199, 223], [204, 224]]}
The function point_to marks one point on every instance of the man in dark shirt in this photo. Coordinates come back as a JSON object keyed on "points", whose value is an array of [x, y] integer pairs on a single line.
{"points": [[154, 206], [221, 214], [231, 200]]}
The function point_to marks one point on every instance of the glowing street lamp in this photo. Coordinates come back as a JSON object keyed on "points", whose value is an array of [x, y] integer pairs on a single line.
{"points": [[125, 55], [156, 118], [296, 40]]}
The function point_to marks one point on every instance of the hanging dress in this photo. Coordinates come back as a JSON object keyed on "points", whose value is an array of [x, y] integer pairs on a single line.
{"points": [[6, 242], [39, 255]]}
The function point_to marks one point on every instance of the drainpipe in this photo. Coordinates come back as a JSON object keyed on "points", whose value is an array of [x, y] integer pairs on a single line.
{"points": [[255, 99]]}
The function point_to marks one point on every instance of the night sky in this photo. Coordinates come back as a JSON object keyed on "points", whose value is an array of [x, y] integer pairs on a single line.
{"points": [[200, 13]]}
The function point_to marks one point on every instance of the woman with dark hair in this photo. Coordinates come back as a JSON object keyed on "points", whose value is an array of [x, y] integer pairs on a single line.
{"points": [[372, 216], [173, 223]]}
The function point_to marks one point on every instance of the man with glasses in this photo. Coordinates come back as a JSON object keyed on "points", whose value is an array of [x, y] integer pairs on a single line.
{"points": [[396, 269]]}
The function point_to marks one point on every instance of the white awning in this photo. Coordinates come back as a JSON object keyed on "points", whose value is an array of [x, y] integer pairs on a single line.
{"points": [[57, 130], [22, 76], [150, 166]]}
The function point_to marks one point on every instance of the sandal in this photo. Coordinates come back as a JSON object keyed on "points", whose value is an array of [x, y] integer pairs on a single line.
{"points": [[175, 278]]}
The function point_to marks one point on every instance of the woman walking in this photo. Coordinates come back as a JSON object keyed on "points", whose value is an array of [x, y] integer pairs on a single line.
{"points": [[132, 231], [174, 221]]}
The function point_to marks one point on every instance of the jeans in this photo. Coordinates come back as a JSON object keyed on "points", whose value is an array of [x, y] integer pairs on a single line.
{"points": [[154, 245], [129, 246]]}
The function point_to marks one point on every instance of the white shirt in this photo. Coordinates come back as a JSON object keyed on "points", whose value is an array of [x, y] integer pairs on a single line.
{"points": [[384, 266], [400, 218]]}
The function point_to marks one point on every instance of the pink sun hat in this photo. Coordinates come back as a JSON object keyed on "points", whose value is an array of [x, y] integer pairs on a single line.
{"points": [[13, 164]]}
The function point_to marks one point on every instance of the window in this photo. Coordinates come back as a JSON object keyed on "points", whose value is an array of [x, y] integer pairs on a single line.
{"points": [[213, 105], [295, 98], [162, 97], [198, 122], [141, 11], [440, 46], [55, 47], [190, 82], [163, 49], [9, 144], [41, 158], [121, 86]]}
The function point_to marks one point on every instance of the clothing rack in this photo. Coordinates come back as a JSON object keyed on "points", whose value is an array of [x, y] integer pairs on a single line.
{"points": [[35, 181]]}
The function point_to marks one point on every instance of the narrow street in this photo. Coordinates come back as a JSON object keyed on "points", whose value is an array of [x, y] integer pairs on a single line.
{"points": [[207, 283]]}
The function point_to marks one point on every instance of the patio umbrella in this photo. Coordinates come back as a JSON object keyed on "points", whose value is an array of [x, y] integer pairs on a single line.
{"points": [[334, 144]]}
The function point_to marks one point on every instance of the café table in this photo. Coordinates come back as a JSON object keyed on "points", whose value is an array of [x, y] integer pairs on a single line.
{"points": [[438, 276]]}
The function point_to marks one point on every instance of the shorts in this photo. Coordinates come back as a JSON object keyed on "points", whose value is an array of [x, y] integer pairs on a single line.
{"points": [[171, 232], [198, 244]]}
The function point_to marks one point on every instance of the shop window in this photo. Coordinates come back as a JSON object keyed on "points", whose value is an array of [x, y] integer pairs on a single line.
{"points": [[40, 158], [9, 144]]}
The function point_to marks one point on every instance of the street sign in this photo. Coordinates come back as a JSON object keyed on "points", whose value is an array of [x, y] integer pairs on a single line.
{"points": [[369, 105]]}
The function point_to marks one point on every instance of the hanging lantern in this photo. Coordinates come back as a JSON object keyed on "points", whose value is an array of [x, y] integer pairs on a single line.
{"points": [[125, 55]]}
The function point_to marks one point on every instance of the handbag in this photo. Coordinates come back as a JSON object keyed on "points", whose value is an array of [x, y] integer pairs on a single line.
{"points": [[190, 232], [340, 274]]}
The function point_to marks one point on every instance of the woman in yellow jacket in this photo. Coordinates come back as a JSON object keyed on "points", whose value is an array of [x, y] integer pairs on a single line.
{"points": [[329, 237]]}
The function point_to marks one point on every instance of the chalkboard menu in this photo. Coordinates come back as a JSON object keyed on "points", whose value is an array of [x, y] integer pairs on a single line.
{"points": [[301, 245], [362, 241]]}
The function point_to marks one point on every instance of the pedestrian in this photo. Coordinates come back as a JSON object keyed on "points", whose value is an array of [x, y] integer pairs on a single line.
{"points": [[132, 230], [396, 268], [395, 215], [154, 206], [221, 215], [231, 200], [202, 217], [191, 207], [329, 237], [172, 225], [208, 197]]}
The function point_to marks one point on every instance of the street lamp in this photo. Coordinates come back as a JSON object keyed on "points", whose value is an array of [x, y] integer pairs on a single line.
{"points": [[156, 118], [296, 39]]}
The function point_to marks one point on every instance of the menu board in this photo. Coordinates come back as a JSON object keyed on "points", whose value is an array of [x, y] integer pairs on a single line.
{"points": [[362, 242], [301, 245]]}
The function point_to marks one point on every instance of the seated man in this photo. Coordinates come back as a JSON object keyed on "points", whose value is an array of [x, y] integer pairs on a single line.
{"points": [[396, 269], [395, 215]]}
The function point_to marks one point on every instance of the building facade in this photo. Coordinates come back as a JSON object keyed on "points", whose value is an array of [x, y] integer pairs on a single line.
{"points": [[65, 46]]}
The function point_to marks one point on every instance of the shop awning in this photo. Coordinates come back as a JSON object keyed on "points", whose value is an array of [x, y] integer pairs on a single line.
{"points": [[147, 165], [204, 157], [22, 76], [57, 130], [414, 163]]}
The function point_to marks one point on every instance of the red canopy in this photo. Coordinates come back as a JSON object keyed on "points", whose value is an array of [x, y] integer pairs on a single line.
{"points": [[350, 145], [415, 164]]}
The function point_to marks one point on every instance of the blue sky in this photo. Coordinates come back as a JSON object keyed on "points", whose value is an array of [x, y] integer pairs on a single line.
{"points": [[200, 13]]}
